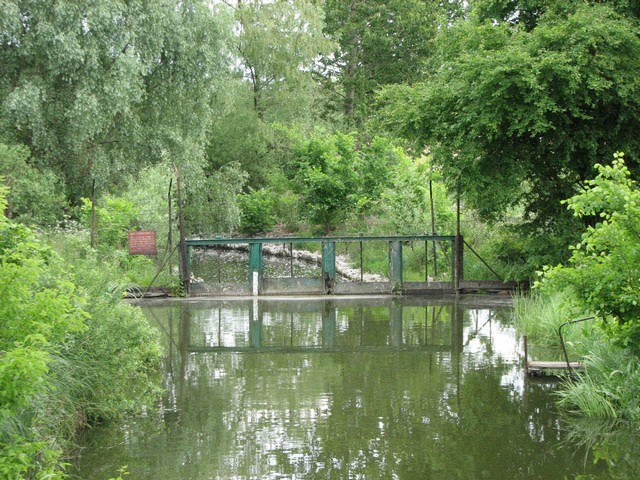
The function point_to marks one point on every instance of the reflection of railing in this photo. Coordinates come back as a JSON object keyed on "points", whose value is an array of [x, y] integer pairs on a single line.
{"points": [[322, 349], [326, 328]]}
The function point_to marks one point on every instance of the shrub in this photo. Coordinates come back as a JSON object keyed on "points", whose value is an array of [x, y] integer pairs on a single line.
{"points": [[70, 354], [257, 209]]}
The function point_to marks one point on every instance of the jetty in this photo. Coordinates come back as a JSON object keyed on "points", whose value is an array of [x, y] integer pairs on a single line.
{"points": [[552, 367]]}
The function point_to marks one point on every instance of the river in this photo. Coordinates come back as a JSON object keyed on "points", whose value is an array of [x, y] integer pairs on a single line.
{"points": [[341, 388]]}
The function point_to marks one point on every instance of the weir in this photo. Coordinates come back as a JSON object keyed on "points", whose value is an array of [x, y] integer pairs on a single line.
{"points": [[441, 276]]}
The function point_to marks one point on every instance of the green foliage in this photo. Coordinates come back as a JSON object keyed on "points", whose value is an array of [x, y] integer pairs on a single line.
{"points": [[337, 178], [99, 88], [519, 117], [380, 43], [35, 197], [148, 193], [602, 269], [326, 178], [257, 212], [70, 355], [278, 44], [112, 221], [609, 386], [213, 207], [539, 315]]}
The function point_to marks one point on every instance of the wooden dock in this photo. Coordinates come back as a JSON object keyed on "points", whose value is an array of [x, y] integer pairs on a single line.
{"points": [[546, 367]]}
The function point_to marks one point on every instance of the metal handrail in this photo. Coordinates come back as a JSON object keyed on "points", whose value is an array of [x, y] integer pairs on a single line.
{"points": [[564, 349]]}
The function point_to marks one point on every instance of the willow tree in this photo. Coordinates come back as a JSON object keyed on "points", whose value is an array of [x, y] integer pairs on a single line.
{"points": [[275, 50], [97, 88]]}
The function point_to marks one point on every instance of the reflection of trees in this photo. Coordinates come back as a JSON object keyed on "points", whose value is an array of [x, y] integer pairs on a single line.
{"points": [[364, 414], [434, 428], [615, 445]]}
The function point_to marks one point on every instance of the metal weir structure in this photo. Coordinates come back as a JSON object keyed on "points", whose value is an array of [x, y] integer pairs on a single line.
{"points": [[436, 263]]}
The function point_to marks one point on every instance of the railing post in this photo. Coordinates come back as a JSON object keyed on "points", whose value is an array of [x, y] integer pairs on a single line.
{"points": [[255, 267], [395, 266], [458, 260], [329, 265]]}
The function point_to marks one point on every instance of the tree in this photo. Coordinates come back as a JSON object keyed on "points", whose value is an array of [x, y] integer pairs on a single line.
{"points": [[602, 270], [35, 196], [381, 42], [278, 44], [274, 49], [527, 13], [519, 118], [338, 177], [95, 89]]}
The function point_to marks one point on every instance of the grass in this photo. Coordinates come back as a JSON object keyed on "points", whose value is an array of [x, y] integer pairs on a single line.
{"points": [[609, 387], [539, 316]]}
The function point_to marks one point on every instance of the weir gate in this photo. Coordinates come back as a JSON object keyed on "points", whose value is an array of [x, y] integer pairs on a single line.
{"points": [[345, 265]]}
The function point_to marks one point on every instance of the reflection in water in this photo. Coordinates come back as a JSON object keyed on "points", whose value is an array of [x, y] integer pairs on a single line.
{"points": [[367, 388]]}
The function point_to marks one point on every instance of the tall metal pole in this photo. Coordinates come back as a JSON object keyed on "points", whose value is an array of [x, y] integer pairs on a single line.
{"points": [[93, 214], [184, 267], [459, 244], [170, 231], [433, 229]]}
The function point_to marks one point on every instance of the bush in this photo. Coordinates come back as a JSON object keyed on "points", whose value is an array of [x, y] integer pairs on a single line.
{"points": [[71, 355], [113, 221], [609, 386], [257, 209], [35, 196], [602, 272]]}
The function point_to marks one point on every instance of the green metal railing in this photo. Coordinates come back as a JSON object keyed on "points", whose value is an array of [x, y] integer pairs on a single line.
{"points": [[328, 254]]}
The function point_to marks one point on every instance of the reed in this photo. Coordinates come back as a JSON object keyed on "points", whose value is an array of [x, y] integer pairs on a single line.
{"points": [[539, 315], [609, 387]]}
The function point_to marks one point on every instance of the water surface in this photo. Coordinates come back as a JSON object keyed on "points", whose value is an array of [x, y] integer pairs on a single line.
{"points": [[367, 388]]}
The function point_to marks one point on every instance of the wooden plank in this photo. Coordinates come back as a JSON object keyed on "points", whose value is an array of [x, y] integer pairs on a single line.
{"points": [[549, 365]]}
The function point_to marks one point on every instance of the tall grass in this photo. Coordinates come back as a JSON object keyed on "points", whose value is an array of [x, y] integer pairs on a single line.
{"points": [[72, 353], [609, 387], [539, 316]]}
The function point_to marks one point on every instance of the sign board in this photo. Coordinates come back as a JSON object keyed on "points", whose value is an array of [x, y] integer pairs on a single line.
{"points": [[142, 242]]}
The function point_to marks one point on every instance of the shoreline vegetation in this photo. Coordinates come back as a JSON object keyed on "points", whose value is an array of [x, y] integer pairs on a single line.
{"points": [[72, 354], [599, 279]]}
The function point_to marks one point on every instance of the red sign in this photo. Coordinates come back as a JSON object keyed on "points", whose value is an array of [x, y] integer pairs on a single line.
{"points": [[142, 242]]}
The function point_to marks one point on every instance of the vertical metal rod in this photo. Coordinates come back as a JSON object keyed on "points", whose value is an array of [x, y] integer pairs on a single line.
{"points": [[433, 229], [184, 256], [170, 232], [361, 262], [291, 259], [526, 357], [93, 214], [459, 245], [426, 260]]}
